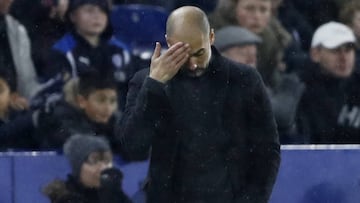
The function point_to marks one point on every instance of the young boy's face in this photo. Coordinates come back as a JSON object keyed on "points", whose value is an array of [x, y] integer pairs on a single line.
{"points": [[89, 20], [99, 105], [4, 96]]}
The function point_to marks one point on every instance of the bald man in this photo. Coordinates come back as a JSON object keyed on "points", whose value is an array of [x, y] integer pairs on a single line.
{"points": [[206, 119]]}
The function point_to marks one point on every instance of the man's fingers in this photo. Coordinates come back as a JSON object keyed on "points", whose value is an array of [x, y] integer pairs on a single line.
{"points": [[182, 61], [174, 48], [157, 51], [179, 57]]}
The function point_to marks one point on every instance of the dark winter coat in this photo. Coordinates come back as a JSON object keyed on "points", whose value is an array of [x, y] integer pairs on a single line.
{"points": [[72, 54], [17, 131], [215, 127], [64, 120], [71, 191], [329, 110]]}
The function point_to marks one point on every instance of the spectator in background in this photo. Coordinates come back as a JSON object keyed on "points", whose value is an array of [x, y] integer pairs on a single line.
{"points": [[94, 112], [89, 43], [329, 110], [350, 16], [294, 22], [44, 21], [240, 45], [255, 15], [16, 126], [15, 56], [287, 17], [93, 178]]}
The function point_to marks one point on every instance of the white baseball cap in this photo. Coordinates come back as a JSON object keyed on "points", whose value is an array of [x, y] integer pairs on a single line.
{"points": [[332, 35]]}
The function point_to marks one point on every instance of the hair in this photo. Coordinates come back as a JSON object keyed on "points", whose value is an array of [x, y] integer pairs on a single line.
{"points": [[102, 4], [348, 11], [95, 80]]}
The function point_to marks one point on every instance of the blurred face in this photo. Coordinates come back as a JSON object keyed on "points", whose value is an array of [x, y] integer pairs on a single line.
{"points": [[91, 169], [338, 62], [99, 105], [4, 97], [245, 54], [253, 14], [89, 20], [4, 6], [356, 24], [61, 8], [200, 53]]}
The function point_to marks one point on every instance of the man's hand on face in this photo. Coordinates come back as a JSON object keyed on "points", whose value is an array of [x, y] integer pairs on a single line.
{"points": [[164, 67]]}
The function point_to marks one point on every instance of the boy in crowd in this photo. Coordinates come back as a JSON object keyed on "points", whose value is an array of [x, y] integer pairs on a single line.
{"points": [[90, 43], [93, 177], [94, 111], [13, 122]]}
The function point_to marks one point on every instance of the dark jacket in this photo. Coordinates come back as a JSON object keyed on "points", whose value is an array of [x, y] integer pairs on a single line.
{"points": [[72, 54], [71, 191], [223, 117], [64, 120], [329, 110], [17, 131]]}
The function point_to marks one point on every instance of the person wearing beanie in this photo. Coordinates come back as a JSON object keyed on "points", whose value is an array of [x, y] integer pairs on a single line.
{"points": [[94, 111], [93, 178], [238, 44], [89, 43]]}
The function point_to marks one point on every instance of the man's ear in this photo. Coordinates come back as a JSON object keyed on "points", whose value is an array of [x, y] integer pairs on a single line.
{"points": [[81, 100], [212, 36], [315, 54], [167, 40]]}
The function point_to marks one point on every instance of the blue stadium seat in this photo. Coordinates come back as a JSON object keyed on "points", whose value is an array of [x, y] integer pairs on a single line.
{"points": [[140, 26]]}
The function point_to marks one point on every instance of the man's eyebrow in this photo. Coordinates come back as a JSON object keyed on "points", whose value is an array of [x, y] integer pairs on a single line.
{"points": [[198, 52]]}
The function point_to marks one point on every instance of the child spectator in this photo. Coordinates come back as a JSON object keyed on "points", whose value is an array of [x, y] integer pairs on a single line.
{"points": [[93, 178], [94, 111], [89, 43], [13, 122]]}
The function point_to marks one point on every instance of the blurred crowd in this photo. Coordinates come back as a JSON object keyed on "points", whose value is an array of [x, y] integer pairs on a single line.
{"points": [[64, 70]]}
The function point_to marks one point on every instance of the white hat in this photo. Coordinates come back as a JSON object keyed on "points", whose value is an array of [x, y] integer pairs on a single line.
{"points": [[331, 35]]}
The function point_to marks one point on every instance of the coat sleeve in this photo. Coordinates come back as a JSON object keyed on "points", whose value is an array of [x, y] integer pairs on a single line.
{"points": [[263, 145], [146, 114]]}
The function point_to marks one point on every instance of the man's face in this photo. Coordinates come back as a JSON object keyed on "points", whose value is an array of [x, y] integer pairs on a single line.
{"points": [[338, 62], [89, 20], [91, 169], [200, 53], [99, 105], [4, 6], [253, 14], [245, 54]]}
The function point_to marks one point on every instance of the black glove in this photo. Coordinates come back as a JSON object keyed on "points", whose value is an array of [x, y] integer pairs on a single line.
{"points": [[110, 190]]}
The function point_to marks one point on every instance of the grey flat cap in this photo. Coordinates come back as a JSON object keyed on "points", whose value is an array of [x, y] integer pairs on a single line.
{"points": [[231, 36]]}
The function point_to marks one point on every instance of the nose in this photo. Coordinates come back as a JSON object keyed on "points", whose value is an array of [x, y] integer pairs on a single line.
{"points": [[193, 64], [104, 165]]}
